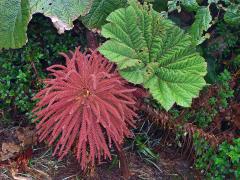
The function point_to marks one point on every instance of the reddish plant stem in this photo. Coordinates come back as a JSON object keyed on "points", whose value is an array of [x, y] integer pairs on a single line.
{"points": [[123, 163]]}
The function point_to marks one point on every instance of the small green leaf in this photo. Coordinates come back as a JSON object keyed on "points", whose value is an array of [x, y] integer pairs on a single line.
{"points": [[201, 24]]}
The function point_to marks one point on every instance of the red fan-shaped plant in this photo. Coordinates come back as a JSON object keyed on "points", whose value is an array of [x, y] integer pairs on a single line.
{"points": [[85, 106]]}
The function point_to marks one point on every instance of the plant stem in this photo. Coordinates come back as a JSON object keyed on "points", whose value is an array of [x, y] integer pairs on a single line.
{"points": [[123, 163]]}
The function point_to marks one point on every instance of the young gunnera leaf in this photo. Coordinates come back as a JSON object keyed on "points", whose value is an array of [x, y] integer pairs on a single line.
{"points": [[100, 10], [14, 18], [61, 12], [152, 51], [201, 24]]}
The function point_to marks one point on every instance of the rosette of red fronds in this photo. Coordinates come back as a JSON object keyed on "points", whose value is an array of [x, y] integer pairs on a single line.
{"points": [[86, 106]]}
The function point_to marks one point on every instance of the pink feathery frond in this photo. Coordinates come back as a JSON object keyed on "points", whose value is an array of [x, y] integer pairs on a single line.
{"points": [[85, 106]]}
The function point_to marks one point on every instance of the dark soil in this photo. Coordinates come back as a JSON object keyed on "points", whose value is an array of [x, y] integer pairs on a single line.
{"points": [[42, 166]]}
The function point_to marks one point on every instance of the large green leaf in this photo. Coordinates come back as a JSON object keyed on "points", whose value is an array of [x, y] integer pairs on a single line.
{"points": [[100, 10], [152, 51], [61, 12], [14, 18], [201, 24]]}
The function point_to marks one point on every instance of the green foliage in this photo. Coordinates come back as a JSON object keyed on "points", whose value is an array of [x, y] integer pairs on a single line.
{"points": [[235, 63], [21, 69], [226, 40], [144, 149], [146, 142], [229, 34], [202, 118], [203, 152], [100, 10], [211, 76], [174, 113], [152, 51], [189, 5], [15, 16], [160, 5], [232, 15], [212, 101], [203, 18], [225, 91], [220, 163], [15, 80], [222, 50], [201, 24]]}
